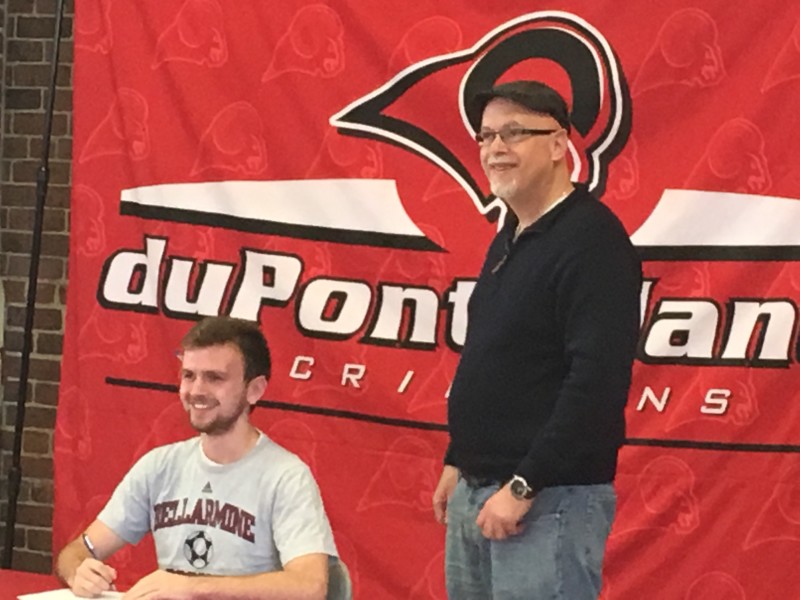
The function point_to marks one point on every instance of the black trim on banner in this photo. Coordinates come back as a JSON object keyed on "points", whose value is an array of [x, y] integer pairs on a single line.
{"points": [[302, 408], [724, 446], [428, 426], [347, 414], [142, 385], [719, 253], [308, 232]]}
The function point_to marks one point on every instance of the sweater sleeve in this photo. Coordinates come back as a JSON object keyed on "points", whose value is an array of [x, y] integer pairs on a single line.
{"points": [[596, 286], [449, 458]]}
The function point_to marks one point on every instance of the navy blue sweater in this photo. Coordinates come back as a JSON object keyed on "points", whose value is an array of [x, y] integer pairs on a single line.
{"points": [[541, 386]]}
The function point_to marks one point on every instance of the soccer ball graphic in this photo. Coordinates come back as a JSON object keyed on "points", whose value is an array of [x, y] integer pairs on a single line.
{"points": [[198, 549]]}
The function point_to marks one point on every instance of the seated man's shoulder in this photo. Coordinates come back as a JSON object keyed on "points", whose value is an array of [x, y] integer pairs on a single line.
{"points": [[169, 452], [280, 458]]}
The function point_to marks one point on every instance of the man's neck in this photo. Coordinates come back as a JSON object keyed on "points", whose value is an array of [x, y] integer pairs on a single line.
{"points": [[228, 447], [537, 204]]}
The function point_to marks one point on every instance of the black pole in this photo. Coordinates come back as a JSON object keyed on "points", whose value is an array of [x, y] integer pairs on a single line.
{"points": [[42, 177]]}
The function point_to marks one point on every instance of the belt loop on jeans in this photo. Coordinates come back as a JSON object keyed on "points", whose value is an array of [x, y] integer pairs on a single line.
{"points": [[477, 482]]}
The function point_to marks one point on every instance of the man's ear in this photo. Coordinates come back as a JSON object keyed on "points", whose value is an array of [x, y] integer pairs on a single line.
{"points": [[256, 388], [560, 145]]}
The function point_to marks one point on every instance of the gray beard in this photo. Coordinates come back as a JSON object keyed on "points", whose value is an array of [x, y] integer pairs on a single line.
{"points": [[505, 190]]}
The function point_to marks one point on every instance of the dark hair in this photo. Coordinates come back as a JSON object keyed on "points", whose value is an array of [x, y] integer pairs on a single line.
{"points": [[245, 335], [533, 95]]}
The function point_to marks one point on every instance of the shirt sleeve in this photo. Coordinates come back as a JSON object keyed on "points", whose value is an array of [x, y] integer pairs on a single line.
{"points": [[127, 512], [597, 308], [449, 455], [299, 523]]}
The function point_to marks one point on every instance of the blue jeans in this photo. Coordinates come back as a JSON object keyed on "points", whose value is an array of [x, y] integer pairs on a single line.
{"points": [[559, 555]]}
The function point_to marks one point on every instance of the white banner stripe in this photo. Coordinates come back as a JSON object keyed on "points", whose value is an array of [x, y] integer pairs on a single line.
{"points": [[700, 218], [370, 205]]}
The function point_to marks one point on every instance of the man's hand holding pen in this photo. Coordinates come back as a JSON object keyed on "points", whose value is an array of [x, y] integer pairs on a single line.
{"points": [[93, 576]]}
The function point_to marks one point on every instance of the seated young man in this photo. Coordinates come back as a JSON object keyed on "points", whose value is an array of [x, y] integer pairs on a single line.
{"points": [[229, 503]]}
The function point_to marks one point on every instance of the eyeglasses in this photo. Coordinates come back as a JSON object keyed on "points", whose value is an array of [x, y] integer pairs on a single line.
{"points": [[510, 135]]}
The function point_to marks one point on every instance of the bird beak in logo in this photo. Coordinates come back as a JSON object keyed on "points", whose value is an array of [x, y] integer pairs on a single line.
{"points": [[556, 47]]}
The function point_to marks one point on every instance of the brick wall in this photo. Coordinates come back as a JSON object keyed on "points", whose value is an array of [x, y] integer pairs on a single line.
{"points": [[27, 46]]}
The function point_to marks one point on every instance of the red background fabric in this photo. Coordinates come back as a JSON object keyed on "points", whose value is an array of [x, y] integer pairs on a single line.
{"points": [[201, 91]]}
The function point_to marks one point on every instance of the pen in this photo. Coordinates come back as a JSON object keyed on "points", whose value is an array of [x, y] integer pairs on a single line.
{"points": [[90, 547]]}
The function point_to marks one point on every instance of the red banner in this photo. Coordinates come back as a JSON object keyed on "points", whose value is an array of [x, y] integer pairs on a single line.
{"points": [[311, 167]]}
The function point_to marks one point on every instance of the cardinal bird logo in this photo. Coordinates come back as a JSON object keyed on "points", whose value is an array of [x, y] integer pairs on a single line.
{"points": [[555, 47]]}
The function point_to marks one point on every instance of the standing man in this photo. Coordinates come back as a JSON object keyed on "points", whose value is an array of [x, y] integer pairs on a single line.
{"points": [[536, 410], [229, 503]]}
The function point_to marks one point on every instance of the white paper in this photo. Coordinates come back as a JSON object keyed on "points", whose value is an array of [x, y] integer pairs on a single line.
{"points": [[63, 594]]}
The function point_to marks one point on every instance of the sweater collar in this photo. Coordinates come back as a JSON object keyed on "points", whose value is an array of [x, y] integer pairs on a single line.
{"points": [[547, 220]]}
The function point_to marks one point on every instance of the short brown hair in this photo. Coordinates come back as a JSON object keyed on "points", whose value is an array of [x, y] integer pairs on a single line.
{"points": [[245, 335]]}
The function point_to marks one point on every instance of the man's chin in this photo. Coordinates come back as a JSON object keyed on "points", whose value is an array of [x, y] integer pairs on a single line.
{"points": [[200, 427], [503, 191], [202, 424], [208, 429], [214, 427]]}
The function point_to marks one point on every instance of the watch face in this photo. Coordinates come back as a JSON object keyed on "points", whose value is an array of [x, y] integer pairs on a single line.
{"points": [[519, 489]]}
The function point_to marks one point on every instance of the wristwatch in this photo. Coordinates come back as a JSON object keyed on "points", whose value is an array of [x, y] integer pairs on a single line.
{"points": [[520, 488]]}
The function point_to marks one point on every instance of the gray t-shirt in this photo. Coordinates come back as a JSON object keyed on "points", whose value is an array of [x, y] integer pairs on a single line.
{"points": [[251, 516]]}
